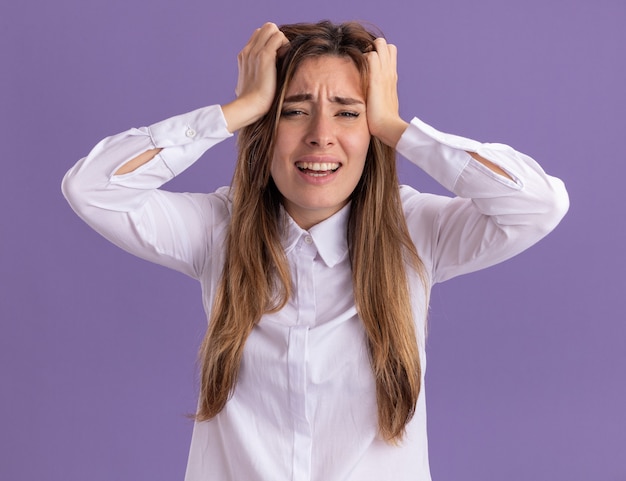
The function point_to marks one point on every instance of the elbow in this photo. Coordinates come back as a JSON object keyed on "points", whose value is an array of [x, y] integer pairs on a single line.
{"points": [[556, 202], [69, 187], [73, 190]]}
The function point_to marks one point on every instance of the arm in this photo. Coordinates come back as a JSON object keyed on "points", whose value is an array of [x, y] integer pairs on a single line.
{"points": [[115, 189], [130, 210], [255, 89], [505, 201], [492, 217], [383, 106]]}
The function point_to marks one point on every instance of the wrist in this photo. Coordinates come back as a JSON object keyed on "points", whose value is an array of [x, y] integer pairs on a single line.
{"points": [[391, 131], [241, 112]]}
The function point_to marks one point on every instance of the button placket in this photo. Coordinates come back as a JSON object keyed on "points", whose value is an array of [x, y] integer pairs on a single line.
{"points": [[298, 357]]}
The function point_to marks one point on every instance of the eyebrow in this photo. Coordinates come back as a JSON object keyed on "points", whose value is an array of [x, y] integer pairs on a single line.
{"points": [[336, 99]]}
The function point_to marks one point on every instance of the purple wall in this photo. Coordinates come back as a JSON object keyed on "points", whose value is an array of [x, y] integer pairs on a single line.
{"points": [[527, 360]]}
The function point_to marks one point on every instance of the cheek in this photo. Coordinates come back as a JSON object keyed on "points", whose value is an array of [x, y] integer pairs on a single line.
{"points": [[276, 171], [360, 139], [283, 149], [279, 173], [360, 148], [279, 154]]}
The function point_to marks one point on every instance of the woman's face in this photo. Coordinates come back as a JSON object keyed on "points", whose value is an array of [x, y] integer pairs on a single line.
{"points": [[322, 139]]}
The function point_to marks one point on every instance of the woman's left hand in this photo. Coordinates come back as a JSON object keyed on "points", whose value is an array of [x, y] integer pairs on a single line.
{"points": [[383, 115]]}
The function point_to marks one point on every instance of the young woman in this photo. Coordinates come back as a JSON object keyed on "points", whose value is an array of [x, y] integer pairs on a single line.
{"points": [[315, 265]]}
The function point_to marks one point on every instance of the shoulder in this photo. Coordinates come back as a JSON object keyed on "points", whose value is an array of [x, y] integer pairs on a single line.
{"points": [[211, 210], [223, 195], [422, 213]]}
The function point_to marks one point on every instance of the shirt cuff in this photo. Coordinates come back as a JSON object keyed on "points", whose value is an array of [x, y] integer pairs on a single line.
{"points": [[442, 156], [445, 156], [186, 137]]}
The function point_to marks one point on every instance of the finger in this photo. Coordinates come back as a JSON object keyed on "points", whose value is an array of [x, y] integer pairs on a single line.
{"points": [[262, 36], [387, 53], [393, 56], [276, 40], [380, 45], [373, 60], [257, 61], [254, 38], [257, 40], [262, 45]]}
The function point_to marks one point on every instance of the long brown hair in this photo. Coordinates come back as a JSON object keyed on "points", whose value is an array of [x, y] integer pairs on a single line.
{"points": [[256, 278]]}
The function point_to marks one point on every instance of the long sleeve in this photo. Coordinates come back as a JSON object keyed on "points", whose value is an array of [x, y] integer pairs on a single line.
{"points": [[131, 211], [492, 218]]}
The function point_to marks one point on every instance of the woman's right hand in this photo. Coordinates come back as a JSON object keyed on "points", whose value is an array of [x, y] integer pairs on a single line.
{"points": [[256, 83]]}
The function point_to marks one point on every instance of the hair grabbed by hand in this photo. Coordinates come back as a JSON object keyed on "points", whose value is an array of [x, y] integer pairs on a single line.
{"points": [[349, 39]]}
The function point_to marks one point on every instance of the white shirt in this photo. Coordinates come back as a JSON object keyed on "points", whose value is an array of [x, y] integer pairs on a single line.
{"points": [[304, 407]]}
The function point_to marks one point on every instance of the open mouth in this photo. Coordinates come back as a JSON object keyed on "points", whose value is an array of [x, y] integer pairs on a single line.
{"points": [[318, 169]]}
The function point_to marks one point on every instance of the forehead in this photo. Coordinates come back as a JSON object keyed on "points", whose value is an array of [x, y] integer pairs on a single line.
{"points": [[338, 74]]}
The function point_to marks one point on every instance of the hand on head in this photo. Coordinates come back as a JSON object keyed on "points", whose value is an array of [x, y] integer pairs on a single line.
{"points": [[383, 107], [256, 82]]}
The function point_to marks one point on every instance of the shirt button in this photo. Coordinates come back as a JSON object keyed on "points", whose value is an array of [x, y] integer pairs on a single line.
{"points": [[308, 239], [190, 133]]}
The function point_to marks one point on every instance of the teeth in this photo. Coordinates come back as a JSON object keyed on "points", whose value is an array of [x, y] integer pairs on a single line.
{"points": [[318, 166]]}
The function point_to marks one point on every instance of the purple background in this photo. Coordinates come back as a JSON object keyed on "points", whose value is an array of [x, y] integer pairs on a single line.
{"points": [[526, 375]]}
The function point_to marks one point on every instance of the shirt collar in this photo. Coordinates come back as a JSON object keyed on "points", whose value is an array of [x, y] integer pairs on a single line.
{"points": [[329, 236]]}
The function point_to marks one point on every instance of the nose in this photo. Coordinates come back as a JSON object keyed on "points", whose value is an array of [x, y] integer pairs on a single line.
{"points": [[321, 131]]}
